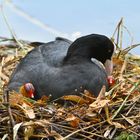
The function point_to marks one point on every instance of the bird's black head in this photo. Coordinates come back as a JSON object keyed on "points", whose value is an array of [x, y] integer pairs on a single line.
{"points": [[95, 46]]}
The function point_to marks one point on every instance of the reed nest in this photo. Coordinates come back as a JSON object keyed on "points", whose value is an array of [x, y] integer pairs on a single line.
{"points": [[115, 116]]}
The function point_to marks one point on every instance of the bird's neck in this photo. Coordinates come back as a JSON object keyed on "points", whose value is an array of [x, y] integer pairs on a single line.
{"points": [[76, 58]]}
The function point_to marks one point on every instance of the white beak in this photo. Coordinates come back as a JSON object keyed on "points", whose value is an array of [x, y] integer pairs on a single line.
{"points": [[108, 66]]}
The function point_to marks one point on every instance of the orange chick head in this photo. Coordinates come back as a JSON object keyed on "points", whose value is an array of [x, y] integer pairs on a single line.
{"points": [[27, 90]]}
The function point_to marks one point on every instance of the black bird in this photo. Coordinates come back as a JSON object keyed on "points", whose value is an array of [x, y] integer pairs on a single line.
{"points": [[61, 67]]}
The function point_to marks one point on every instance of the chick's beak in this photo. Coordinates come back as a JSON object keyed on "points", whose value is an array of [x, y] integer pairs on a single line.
{"points": [[31, 94]]}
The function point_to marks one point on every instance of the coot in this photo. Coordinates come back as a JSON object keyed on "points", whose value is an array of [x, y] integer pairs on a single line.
{"points": [[62, 67]]}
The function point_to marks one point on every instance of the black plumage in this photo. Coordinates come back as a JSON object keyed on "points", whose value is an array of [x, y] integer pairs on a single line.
{"points": [[61, 66]]}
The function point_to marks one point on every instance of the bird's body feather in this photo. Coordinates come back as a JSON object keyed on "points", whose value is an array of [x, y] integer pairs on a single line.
{"points": [[46, 68]]}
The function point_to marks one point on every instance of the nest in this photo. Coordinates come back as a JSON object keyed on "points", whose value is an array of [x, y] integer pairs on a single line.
{"points": [[115, 116]]}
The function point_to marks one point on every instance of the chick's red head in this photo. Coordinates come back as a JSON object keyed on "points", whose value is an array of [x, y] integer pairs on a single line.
{"points": [[29, 88]]}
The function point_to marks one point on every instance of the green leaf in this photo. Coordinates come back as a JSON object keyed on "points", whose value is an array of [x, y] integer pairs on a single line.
{"points": [[126, 136]]}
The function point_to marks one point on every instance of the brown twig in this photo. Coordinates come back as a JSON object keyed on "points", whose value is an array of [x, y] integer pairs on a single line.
{"points": [[6, 94]]}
